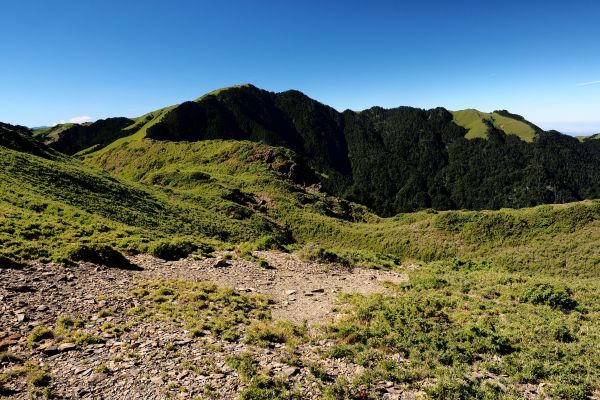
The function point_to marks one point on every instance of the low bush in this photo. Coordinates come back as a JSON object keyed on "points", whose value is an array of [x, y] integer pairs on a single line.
{"points": [[264, 264], [563, 334], [244, 364], [40, 379], [101, 255], [315, 253], [546, 294], [172, 251], [267, 388], [38, 334], [9, 263], [454, 389], [266, 334], [268, 242]]}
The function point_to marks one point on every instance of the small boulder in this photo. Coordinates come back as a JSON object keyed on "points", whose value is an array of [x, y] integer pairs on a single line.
{"points": [[290, 371], [221, 263], [67, 347]]}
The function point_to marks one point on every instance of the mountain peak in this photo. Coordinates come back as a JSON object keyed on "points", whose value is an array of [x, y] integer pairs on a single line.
{"points": [[216, 92]]}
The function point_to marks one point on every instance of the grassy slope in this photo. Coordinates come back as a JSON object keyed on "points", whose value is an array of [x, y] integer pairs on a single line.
{"points": [[137, 129], [473, 121], [217, 91], [159, 180], [541, 238], [591, 137], [48, 204]]}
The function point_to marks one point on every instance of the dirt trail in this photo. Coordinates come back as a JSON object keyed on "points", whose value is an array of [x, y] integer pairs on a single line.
{"points": [[301, 290]]}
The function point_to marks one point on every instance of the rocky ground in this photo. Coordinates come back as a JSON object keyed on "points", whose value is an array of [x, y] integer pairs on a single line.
{"points": [[106, 351]]}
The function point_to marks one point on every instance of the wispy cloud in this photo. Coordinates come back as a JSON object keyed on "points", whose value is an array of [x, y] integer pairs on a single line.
{"points": [[588, 83], [80, 120]]}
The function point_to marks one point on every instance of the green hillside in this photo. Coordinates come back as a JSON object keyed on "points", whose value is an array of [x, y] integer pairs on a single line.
{"points": [[227, 192], [591, 137], [261, 173], [390, 160], [50, 201], [369, 157], [476, 123]]}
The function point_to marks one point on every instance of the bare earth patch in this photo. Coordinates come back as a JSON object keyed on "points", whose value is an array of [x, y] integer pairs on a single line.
{"points": [[303, 291]]}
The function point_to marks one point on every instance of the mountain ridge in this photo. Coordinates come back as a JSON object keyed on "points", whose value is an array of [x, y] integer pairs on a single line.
{"points": [[391, 160]]}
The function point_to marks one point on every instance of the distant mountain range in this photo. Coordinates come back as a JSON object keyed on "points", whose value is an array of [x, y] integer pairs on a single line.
{"points": [[391, 160]]}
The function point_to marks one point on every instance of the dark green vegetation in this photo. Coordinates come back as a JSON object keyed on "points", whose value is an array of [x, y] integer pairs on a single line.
{"points": [[391, 160], [100, 255], [71, 138]]}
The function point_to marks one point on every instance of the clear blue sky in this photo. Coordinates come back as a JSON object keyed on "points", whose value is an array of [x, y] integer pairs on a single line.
{"points": [[67, 59]]}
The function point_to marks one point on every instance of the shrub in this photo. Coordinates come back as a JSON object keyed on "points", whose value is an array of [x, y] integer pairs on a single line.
{"points": [[267, 388], [9, 263], [268, 242], [532, 371], [343, 351], [569, 391], [40, 379], [264, 264], [453, 389], [555, 297], [101, 255], [263, 243], [244, 364], [172, 251], [66, 323], [38, 334], [81, 337], [266, 334], [312, 252], [563, 334]]}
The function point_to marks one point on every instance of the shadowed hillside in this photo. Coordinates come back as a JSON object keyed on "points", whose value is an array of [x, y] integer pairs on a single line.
{"points": [[72, 138], [391, 160]]}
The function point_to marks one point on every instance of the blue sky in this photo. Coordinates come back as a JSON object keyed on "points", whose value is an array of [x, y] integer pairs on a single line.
{"points": [[73, 59]]}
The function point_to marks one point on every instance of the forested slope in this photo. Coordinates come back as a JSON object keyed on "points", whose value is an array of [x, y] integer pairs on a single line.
{"points": [[391, 160]]}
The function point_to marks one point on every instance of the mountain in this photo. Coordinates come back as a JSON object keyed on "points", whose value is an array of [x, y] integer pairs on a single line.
{"points": [[477, 123], [591, 137], [391, 160], [71, 138], [49, 200]]}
